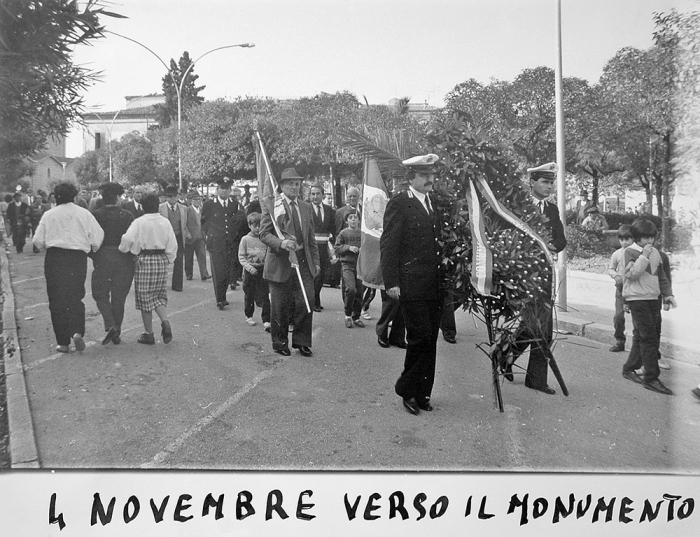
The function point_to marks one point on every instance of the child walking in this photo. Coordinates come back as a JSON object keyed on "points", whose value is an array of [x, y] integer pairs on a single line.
{"points": [[616, 270], [152, 239], [643, 282], [347, 247], [251, 255]]}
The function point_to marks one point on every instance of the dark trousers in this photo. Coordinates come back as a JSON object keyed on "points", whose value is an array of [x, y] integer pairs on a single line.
{"points": [[285, 297], [368, 296], [177, 266], [221, 270], [391, 315], [537, 326], [256, 291], [321, 276], [422, 327], [448, 324], [19, 237], [111, 282], [619, 317], [236, 267], [196, 247], [65, 272], [334, 275], [645, 338], [352, 291]]}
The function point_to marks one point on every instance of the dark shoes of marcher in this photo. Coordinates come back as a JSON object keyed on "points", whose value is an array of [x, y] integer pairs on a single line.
{"points": [[657, 386], [696, 393], [508, 372], [66, 348], [411, 405], [147, 339], [618, 347], [449, 338], [632, 375], [79, 342], [544, 389], [284, 351], [383, 342], [303, 350], [166, 332], [424, 404], [111, 334]]}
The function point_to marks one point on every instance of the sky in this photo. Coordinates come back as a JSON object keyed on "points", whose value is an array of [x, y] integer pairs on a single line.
{"points": [[376, 49]]}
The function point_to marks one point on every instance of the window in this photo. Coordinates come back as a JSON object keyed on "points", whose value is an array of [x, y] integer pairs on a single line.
{"points": [[98, 140]]}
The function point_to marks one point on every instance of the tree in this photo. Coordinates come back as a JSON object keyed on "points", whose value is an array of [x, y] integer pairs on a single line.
{"points": [[92, 167], [39, 84], [133, 160], [189, 97]]}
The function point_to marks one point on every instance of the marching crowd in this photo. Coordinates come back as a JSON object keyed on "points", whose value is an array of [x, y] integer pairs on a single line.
{"points": [[283, 258]]}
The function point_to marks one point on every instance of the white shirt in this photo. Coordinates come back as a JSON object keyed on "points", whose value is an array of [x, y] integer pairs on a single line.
{"points": [[70, 227], [150, 232], [422, 197]]}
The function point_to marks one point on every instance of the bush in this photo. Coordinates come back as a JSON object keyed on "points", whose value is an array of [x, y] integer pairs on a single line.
{"points": [[586, 243]]}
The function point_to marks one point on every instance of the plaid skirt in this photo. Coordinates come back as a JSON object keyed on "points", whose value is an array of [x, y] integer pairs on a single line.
{"points": [[151, 281]]}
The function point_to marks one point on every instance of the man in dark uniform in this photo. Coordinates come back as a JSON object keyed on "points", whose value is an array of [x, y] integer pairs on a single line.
{"points": [[295, 221], [223, 224], [410, 262], [324, 224], [537, 319]]}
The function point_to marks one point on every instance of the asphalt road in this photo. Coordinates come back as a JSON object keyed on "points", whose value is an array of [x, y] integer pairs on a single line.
{"points": [[219, 397]]}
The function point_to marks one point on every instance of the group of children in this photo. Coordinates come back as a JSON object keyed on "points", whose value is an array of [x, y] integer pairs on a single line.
{"points": [[643, 287]]}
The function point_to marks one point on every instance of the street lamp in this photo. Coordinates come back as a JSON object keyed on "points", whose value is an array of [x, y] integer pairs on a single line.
{"points": [[178, 89]]}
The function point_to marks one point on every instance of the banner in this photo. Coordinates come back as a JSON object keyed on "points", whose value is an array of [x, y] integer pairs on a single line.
{"points": [[374, 200], [482, 258]]}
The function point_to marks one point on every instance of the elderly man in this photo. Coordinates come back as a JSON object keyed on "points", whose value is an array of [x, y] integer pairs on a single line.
{"points": [[410, 261], [295, 221], [195, 244], [176, 213], [134, 206], [68, 233]]}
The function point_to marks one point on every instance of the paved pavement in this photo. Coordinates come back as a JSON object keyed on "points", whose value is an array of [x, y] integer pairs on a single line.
{"points": [[218, 397]]}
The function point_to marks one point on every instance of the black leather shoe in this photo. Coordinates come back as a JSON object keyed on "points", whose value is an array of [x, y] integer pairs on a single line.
{"points": [[383, 342], [544, 389], [111, 333], [179, 290], [632, 375], [400, 344], [116, 339], [424, 404], [318, 309], [508, 373], [205, 278], [303, 350], [221, 305], [449, 339], [166, 332], [412, 406], [656, 386], [188, 277], [284, 351]]}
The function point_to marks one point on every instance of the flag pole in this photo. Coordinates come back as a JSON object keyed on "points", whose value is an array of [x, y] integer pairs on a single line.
{"points": [[292, 255], [561, 159]]}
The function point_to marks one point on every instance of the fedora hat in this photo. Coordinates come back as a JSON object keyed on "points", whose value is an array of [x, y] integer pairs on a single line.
{"points": [[290, 174]]}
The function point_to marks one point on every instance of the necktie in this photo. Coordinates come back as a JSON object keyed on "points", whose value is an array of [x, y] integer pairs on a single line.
{"points": [[540, 205], [427, 205], [296, 223], [319, 213]]}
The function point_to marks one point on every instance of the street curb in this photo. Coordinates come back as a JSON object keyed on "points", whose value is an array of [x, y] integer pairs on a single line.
{"points": [[23, 450], [670, 348]]}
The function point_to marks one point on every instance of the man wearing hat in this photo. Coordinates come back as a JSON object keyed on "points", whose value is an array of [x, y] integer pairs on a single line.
{"points": [[195, 244], [540, 315], [582, 205], [410, 260], [18, 215], [594, 220], [223, 224], [176, 213], [295, 220]]}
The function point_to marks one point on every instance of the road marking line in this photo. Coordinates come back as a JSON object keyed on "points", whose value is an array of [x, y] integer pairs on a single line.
{"points": [[42, 361], [175, 446], [27, 280]]}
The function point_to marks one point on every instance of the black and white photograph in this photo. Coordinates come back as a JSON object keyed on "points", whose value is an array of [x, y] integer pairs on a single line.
{"points": [[447, 267]]}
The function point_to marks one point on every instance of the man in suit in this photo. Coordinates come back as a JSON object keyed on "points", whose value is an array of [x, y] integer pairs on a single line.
{"points": [[537, 319], [134, 206], [410, 261], [18, 216], [324, 224], [223, 224], [176, 213], [195, 244], [295, 220]]}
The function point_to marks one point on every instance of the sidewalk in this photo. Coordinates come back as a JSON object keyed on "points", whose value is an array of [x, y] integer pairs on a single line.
{"points": [[590, 309]]}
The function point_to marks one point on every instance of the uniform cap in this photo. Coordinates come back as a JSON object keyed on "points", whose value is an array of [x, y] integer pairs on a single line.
{"points": [[225, 182], [422, 163], [192, 194], [548, 171]]}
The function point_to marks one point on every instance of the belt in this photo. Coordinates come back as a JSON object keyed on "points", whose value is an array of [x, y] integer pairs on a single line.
{"points": [[152, 252], [322, 238]]}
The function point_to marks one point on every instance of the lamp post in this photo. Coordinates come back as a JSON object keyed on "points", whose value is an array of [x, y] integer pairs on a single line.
{"points": [[178, 89]]}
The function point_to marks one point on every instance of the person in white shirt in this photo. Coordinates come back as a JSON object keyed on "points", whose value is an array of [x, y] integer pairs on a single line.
{"points": [[68, 233], [152, 239]]}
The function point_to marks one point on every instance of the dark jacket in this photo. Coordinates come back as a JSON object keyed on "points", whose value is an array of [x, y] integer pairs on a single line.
{"points": [[223, 228], [555, 226], [409, 249]]}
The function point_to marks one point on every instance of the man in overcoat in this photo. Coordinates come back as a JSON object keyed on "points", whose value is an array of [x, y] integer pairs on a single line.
{"points": [[294, 219], [410, 261]]}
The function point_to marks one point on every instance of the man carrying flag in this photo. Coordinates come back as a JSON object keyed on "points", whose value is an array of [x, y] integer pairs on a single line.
{"points": [[291, 262]]}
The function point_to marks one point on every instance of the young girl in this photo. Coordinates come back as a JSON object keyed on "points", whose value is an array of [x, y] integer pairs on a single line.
{"points": [[152, 239]]}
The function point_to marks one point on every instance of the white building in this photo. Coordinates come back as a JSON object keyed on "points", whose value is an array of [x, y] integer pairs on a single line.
{"points": [[137, 115]]}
